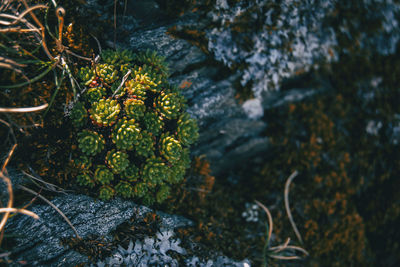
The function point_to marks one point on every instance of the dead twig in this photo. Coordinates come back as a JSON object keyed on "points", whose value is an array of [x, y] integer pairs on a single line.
{"points": [[53, 206], [286, 198], [24, 110]]}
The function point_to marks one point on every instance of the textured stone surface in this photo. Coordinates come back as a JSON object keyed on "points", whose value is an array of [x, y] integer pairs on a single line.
{"points": [[39, 241]]}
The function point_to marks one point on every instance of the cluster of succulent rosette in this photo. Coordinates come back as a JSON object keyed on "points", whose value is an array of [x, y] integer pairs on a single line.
{"points": [[132, 131]]}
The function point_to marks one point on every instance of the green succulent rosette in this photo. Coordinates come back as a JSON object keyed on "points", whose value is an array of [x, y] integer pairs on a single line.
{"points": [[126, 134], [79, 115], [83, 162], [86, 75], [155, 171], [84, 179], [139, 123], [187, 131], [117, 160], [131, 173], [105, 112], [150, 58], [153, 122], [103, 175], [148, 77], [94, 94], [117, 57], [169, 105], [124, 189], [90, 142], [140, 189], [145, 148], [134, 108], [178, 170], [170, 148], [162, 193], [107, 73], [135, 88], [106, 192]]}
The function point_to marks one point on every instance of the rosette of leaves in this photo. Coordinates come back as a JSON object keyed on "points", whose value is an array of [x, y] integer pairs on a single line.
{"points": [[106, 192], [94, 94], [145, 148], [155, 171], [131, 173], [150, 58], [134, 108], [90, 143], [148, 76], [179, 168], [170, 148], [117, 161], [103, 175], [79, 114], [169, 104], [107, 73], [136, 142], [162, 193], [126, 134], [153, 122], [83, 162], [87, 75], [124, 189], [117, 57], [105, 112], [187, 130], [86, 180]]}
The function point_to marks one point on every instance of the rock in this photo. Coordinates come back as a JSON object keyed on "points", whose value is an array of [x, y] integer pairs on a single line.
{"points": [[39, 241]]}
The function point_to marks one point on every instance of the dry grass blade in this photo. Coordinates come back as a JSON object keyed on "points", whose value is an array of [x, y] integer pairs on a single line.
{"points": [[286, 197], [23, 211], [24, 110], [49, 186], [270, 222], [53, 206], [17, 19]]}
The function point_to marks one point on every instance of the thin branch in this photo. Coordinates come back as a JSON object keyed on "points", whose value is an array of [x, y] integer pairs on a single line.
{"points": [[17, 19], [53, 206], [286, 198], [122, 83], [23, 110], [270, 223], [23, 211]]}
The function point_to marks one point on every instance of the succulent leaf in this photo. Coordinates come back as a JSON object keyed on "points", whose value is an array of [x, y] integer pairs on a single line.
{"points": [[170, 148], [90, 142], [86, 180], [153, 123], [187, 131], [155, 171], [117, 160], [162, 193], [94, 94], [107, 73], [131, 173], [126, 134], [106, 192], [79, 115], [169, 105], [134, 108], [124, 189], [145, 148], [103, 175], [105, 112]]}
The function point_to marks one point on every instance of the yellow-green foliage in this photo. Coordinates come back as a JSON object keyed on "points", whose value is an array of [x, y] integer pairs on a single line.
{"points": [[136, 141]]}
